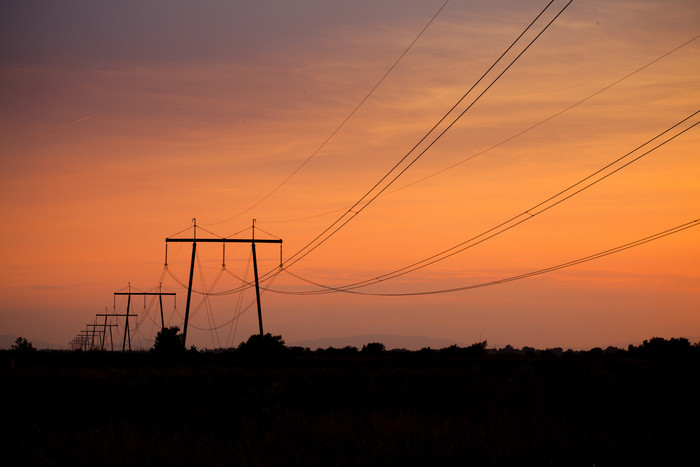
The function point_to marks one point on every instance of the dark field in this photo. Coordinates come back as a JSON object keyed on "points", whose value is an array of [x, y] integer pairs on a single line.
{"points": [[414, 408]]}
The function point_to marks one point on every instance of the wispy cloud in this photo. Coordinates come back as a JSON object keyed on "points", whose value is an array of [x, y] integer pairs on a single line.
{"points": [[74, 122], [60, 286]]}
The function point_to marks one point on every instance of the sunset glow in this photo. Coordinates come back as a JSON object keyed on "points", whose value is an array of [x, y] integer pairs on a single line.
{"points": [[122, 122]]}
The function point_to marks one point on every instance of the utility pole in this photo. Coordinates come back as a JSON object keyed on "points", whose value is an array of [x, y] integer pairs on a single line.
{"points": [[85, 339], [102, 333], [195, 240], [128, 305], [117, 315], [104, 338], [145, 294], [189, 287]]}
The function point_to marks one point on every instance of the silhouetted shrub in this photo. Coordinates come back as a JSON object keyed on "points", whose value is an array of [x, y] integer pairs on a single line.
{"points": [[473, 350], [553, 352], [476, 349], [297, 350], [22, 345], [347, 350], [262, 346], [660, 347], [373, 348], [452, 349], [169, 340]]}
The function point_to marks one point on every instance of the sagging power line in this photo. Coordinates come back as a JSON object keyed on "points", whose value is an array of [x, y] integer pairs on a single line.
{"points": [[528, 214], [508, 139], [381, 185], [585, 259], [342, 124]]}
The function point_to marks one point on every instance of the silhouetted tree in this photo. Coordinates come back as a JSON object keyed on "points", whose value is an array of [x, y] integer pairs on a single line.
{"points": [[473, 350], [169, 340], [266, 345], [297, 350], [373, 348], [347, 350], [660, 347], [22, 345], [477, 349]]}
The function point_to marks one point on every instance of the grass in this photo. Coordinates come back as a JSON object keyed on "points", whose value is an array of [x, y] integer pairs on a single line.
{"points": [[394, 409]]}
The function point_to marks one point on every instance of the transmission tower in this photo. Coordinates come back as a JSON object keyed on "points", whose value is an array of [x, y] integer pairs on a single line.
{"points": [[196, 240]]}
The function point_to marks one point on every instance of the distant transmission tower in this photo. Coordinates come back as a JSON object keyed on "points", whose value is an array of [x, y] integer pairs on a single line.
{"points": [[127, 333]]}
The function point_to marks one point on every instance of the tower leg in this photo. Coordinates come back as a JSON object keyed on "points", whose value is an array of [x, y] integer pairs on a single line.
{"points": [[126, 325], [257, 289], [189, 296], [162, 321]]}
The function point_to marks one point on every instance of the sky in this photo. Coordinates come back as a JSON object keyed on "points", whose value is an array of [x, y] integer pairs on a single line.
{"points": [[124, 121]]}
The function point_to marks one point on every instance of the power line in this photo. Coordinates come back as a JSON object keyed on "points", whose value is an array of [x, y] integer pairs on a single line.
{"points": [[551, 117], [342, 124], [352, 212], [237, 313], [526, 215], [510, 138], [538, 272]]}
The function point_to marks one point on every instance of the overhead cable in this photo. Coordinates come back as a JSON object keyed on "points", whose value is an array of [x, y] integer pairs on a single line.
{"points": [[380, 187], [539, 208], [551, 117], [538, 272], [510, 138], [342, 124]]}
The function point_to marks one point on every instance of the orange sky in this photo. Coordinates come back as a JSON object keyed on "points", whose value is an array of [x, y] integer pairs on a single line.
{"points": [[121, 123]]}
